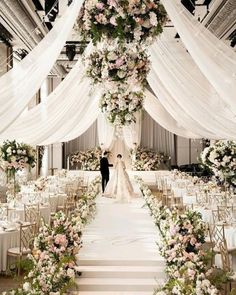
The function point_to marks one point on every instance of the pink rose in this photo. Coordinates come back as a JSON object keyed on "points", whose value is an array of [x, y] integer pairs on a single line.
{"points": [[100, 6]]}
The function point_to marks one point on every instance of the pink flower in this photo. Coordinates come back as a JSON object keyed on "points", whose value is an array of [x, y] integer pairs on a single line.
{"points": [[61, 240], [113, 21], [100, 6], [119, 62], [111, 2]]}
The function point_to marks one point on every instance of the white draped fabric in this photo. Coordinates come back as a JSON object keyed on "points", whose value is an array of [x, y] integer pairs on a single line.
{"points": [[20, 84], [105, 132], [159, 114], [64, 115], [204, 113], [132, 133], [215, 59], [174, 109]]}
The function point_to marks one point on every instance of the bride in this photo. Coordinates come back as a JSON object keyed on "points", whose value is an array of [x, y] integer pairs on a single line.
{"points": [[120, 187]]}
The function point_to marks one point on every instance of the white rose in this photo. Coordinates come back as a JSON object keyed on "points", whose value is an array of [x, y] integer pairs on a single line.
{"points": [[26, 286], [70, 272]]}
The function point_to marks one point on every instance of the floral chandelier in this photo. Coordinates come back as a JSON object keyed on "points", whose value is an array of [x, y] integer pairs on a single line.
{"points": [[121, 31]]}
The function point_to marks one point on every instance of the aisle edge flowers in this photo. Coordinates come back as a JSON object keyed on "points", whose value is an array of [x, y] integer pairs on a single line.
{"points": [[181, 238], [53, 260]]}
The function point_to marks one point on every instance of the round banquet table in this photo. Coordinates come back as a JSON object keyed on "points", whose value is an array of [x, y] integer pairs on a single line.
{"points": [[8, 239]]}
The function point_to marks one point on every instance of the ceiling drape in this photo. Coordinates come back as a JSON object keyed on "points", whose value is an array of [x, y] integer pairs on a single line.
{"points": [[216, 60], [20, 84], [159, 114]]}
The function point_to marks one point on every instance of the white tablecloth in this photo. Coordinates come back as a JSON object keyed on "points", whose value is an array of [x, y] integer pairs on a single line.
{"points": [[18, 213], [7, 240]]}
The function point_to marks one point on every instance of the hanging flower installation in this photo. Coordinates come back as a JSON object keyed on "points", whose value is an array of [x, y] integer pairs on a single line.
{"points": [[118, 64], [120, 105], [221, 159], [126, 20], [121, 30]]}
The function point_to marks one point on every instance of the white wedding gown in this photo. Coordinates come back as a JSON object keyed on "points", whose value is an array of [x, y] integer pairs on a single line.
{"points": [[119, 186]]}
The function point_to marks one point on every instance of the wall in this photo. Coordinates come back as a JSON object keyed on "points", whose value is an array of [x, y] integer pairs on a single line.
{"points": [[188, 150]]}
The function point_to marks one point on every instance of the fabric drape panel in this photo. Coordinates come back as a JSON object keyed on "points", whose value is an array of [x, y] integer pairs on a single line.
{"points": [[155, 137], [173, 108], [88, 140], [105, 132], [159, 114], [86, 119], [20, 84], [174, 65], [215, 59], [205, 114], [64, 115], [132, 133]]}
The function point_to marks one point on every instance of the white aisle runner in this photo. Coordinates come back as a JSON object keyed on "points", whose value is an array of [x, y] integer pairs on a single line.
{"points": [[119, 254]]}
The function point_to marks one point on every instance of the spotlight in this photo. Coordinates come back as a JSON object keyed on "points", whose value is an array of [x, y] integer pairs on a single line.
{"points": [[70, 51]]}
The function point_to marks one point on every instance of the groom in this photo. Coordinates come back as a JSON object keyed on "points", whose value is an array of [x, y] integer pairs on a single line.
{"points": [[104, 168]]}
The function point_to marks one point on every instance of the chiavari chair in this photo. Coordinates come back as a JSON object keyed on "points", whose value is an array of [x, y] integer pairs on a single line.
{"points": [[32, 214], [26, 238]]}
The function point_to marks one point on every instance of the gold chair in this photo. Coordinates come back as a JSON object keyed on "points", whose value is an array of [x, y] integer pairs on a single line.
{"points": [[32, 214], [26, 238]]}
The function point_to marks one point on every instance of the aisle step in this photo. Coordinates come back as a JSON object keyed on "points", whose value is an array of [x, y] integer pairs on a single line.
{"points": [[116, 262], [117, 284], [121, 271]]}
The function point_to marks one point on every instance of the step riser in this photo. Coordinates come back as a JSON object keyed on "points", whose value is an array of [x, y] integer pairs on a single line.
{"points": [[129, 275], [116, 288], [157, 263]]}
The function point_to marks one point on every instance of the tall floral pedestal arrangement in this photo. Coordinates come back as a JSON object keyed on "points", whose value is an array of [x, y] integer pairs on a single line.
{"points": [[121, 31], [220, 158], [15, 157]]}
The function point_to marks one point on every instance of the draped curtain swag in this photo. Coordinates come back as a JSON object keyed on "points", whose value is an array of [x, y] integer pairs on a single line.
{"points": [[20, 84], [216, 60]]}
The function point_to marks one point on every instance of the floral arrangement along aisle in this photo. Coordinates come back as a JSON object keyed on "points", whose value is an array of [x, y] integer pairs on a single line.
{"points": [[122, 30], [144, 159], [53, 261], [221, 159], [182, 236], [88, 160]]}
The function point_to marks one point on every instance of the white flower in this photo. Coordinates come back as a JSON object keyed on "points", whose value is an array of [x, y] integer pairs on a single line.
{"points": [[26, 286], [153, 19], [70, 272]]}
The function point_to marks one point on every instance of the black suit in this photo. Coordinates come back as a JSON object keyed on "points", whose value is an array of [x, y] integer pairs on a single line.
{"points": [[104, 168]]}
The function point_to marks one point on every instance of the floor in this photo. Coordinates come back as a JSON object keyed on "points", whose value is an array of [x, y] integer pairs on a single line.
{"points": [[119, 254]]}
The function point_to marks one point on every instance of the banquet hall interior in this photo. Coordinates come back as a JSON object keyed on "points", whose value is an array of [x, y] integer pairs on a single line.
{"points": [[86, 80]]}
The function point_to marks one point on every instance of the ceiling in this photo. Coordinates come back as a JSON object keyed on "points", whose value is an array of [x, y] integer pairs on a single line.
{"points": [[23, 24]]}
